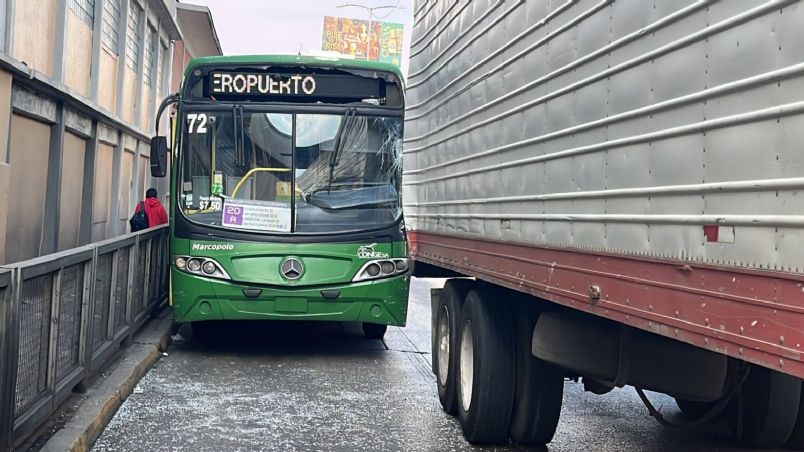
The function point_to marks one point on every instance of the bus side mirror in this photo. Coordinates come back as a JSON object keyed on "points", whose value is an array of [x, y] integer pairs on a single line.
{"points": [[159, 144], [159, 151]]}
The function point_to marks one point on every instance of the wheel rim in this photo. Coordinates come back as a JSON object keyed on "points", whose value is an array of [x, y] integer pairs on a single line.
{"points": [[443, 346], [467, 363]]}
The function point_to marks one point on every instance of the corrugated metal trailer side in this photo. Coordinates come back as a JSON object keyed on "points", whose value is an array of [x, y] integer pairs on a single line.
{"points": [[661, 140], [639, 160]]}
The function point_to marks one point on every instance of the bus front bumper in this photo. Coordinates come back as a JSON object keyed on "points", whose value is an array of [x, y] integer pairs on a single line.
{"points": [[196, 299]]}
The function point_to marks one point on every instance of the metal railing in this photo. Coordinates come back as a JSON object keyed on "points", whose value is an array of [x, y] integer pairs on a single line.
{"points": [[63, 316]]}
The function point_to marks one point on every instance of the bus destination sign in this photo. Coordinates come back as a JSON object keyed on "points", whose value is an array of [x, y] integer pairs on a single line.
{"points": [[265, 84], [227, 84]]}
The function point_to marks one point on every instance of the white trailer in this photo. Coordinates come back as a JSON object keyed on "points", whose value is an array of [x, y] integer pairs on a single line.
{"points": [[619, 183]]}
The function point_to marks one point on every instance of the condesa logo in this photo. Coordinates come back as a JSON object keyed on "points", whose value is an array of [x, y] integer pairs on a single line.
{"points": [[369, 252], [213, 247]]}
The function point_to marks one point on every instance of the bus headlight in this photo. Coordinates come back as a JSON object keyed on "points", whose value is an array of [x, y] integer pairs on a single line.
{"points": [[387, 267], [194, 265], [209, 267], [381, 268], [373, 270], [202, 266]]}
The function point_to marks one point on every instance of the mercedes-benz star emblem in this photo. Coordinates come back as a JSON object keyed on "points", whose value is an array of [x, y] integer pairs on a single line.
{"points": [[292, 268]]}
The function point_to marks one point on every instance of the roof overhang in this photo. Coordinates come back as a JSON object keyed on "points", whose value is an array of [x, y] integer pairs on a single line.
{"points": [[165, 10], [198, 30]]}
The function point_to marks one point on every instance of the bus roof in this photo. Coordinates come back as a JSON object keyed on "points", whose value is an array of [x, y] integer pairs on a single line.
{"points": [[294, 60]]}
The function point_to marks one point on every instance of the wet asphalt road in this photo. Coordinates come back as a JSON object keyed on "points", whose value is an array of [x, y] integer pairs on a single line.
{"points": [[314, 386]]}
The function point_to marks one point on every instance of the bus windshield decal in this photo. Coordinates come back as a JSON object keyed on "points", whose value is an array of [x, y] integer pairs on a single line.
{"points": [[256, 215]]}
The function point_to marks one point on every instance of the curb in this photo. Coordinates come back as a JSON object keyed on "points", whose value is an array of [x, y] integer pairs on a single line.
{"points": [[104, 399]]}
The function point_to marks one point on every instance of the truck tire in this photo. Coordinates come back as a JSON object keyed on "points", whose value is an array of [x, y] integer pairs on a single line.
{"points": [[448, 321], [796, 441], [485, 371], [538, 388], [693, 410], [770, 403], [374, 330]]}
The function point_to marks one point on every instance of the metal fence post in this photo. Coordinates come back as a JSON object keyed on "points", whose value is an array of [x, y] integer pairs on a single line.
{"points": [[88, 313], [53, 340], [153, 271], [6, 359], [9, 369], [110, 332], [69, 317], [132, 272], [87, 336], [146, 298]]}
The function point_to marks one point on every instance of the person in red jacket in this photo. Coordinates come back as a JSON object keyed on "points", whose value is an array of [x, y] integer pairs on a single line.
{"points": [[153, 209]]}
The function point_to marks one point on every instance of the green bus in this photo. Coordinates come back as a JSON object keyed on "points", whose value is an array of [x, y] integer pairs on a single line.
{"points": [[286, 198]]}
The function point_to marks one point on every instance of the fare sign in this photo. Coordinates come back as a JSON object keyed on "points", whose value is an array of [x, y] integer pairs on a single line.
{"points": [[234, 83], [256, 215]]}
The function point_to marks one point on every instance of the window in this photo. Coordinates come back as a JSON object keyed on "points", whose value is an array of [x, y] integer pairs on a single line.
{"points": [[85, 9], [111, 25], [306, 173], [160, 71], [150, 56], [133, 36]]}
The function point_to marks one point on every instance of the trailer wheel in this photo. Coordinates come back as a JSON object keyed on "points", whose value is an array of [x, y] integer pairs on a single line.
{"points": [[374, 330], [485, 371], [447, 330], [694, 410], [796, 441], [770, 405], [538, 386]]}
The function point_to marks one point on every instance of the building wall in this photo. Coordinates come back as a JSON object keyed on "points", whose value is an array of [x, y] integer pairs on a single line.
{"points": [[102, 201], [129, 95], [80, 81], [5, 168], [5, 114], [72, 183], [107, 83], [126, 195], [78, 55], [30, 141], [181, 57], [147, 111], [34, 29], [5, 185]]}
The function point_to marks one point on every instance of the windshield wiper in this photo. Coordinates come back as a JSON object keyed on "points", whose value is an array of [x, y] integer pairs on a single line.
{"points": [[372, 195], [349, 119]]}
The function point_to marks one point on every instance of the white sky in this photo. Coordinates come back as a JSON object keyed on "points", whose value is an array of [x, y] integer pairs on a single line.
{"points": [[285, 26]]}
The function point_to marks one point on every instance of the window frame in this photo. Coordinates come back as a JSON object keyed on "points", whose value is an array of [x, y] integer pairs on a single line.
{"points": [[85, 10], [150, 56], [207, 107], [133, 35], [110, 25]]}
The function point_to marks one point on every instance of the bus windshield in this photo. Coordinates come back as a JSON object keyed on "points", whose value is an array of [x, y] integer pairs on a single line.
{"points": [[261, 171]]}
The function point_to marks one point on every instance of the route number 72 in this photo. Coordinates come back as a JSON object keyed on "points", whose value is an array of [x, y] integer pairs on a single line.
{"points": [[197, 118]]}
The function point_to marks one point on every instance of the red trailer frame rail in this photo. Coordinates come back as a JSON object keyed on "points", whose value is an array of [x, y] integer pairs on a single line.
{"points": [[752, 315]]}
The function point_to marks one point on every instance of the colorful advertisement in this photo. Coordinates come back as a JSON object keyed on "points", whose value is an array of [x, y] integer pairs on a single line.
{"points": [[391, 43], [353, 38]]}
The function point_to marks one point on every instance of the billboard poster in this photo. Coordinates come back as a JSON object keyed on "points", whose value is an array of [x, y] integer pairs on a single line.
{"points": [[355, 38], [391, 43]]}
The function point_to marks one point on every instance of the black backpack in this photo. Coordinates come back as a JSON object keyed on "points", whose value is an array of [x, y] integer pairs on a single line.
{"points": [[139, 221]]}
